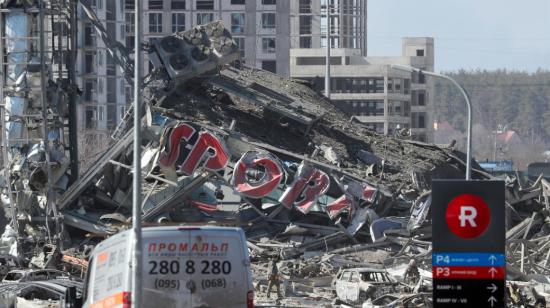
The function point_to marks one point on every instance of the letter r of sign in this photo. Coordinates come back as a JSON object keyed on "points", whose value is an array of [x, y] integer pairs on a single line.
{"points": [[468, 214]]}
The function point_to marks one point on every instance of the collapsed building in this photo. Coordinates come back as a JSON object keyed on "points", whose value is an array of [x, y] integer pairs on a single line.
{"points": [[232, 145]]}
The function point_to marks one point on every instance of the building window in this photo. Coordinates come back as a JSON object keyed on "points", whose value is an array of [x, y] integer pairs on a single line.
{"points": [[305, 24], [269, 2], [89, 63], [122, 31], [110, 66], [420, 52], [90, 92], [305, 42], [98, 4], [155, 22], [240, 44], [89, 35], [178, 22], [205, 4], [130, 42], [407, 86], [237, 2], [305, 6], [130, 23], [268, 20], [91, 117], [268, 45], [154, 4], [421, 78], [178, 5], [406, 109], [237, 22], [421, 120], [110, 11], [397, 85], [270, 66], [101, 115], [204, 18], [421, 99]]}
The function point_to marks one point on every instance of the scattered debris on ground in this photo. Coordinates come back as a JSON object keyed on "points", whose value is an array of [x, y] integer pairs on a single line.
{"points": [[232, 145]]}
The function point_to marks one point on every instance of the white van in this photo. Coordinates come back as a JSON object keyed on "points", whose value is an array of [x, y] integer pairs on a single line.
{"points": [[183, 266]]}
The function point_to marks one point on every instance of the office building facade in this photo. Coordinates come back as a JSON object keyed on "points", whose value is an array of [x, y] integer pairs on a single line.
{"points": [[370, 90]]}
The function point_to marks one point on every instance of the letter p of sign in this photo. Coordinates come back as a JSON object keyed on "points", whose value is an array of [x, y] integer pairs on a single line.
{"points": [[309, 184]]}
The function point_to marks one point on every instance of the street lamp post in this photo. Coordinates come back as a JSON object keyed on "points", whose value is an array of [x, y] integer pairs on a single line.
{"points": [[468, 104], [327, 61]]}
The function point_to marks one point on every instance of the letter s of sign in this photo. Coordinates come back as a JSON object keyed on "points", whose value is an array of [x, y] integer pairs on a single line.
{"points": [[187, 147], [309, 184], [257, 174]]}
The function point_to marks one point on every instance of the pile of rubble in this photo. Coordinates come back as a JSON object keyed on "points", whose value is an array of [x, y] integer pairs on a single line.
{"points": [[312, 189]]}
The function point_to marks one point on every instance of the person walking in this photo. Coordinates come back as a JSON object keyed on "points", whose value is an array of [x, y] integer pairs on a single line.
{"points": [[412, 274], [273, 278]]}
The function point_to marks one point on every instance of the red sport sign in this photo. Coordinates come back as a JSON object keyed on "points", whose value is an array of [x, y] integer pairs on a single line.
{"points": [[185, 147], [467, 216]]}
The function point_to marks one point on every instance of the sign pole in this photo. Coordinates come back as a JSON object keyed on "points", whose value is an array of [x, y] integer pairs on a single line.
{"points": [[136, 198]]}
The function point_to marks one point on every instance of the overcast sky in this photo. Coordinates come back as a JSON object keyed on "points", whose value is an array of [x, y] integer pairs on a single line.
{"points": [[469, 34]]}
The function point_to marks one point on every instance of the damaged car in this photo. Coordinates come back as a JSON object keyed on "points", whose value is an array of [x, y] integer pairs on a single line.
{"points": [[356, 285]]}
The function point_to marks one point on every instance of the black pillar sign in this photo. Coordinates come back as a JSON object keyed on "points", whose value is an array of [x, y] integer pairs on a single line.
{"points": [[469, 234]]}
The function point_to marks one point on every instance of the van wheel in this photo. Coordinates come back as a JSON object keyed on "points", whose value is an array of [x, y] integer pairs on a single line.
{"points": [[362, 297]]}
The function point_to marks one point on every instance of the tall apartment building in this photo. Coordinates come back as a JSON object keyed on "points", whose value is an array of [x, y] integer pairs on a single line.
{"points": [[348, 23], [285, 37], [370, 90], [260, 27], [265, 31], [103, 101]]}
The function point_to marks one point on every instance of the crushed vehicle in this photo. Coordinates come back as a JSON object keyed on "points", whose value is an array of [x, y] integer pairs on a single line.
{"points": [[24, 275], [50, 293], [418, 300], [356, 285]]}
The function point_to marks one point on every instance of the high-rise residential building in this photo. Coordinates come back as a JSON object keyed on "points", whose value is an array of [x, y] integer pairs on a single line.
{"points": [[373, 92], [284, 37], [260, 27], [103, 102], [348, 23]]}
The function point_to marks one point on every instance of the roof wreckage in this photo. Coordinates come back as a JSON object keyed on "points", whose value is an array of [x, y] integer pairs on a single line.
{"points": [[228, 144]]}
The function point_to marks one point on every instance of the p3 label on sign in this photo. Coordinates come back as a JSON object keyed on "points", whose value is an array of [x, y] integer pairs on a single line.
{"points": [[467, 216]]}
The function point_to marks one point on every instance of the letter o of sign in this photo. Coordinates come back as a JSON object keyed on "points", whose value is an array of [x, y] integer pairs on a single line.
{"points": [[257, 174]]}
